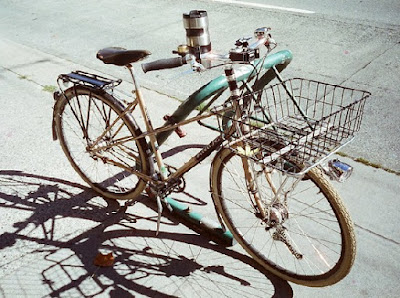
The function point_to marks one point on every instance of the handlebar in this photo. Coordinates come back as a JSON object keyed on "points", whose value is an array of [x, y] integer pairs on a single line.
{"points": [[163, 64], [263, 37]]}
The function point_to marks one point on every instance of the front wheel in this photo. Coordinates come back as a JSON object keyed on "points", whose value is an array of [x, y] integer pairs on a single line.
{"points": [[305, 235], [96, 134]]}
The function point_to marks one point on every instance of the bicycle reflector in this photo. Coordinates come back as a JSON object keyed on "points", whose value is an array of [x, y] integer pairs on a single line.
{"points": [[197, 35]]}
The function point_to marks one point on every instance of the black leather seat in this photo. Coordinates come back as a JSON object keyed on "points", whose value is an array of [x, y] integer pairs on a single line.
{"points": [[121, 56]]}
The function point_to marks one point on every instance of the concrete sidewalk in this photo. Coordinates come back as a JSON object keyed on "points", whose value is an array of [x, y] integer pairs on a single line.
{"points": [[52, 226]]}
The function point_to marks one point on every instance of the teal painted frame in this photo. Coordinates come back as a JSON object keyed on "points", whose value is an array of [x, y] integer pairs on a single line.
{"points": [[280, 60]]}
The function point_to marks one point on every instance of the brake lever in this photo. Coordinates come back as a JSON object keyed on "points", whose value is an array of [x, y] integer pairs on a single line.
{"points": [[270, 44], [264, 32]]}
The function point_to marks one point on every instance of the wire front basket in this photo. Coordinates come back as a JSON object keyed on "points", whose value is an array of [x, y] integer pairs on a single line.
{"points": [[294, 125]]}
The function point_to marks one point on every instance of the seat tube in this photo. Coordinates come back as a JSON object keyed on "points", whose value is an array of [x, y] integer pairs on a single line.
{"points": [[149, 127]]}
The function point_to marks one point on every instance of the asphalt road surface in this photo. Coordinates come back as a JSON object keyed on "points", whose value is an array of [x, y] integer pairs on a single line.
{"points": [[354, 43], [52, 224]]}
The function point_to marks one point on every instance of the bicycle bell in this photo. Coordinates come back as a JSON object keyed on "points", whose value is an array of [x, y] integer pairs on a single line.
{"points": [[197, 35]]}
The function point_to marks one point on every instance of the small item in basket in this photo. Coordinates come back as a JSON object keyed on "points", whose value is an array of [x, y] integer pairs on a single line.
{"points": [[106, 260], [247, 151]]}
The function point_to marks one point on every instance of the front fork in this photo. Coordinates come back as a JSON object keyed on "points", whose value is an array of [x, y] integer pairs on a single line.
{"points": [[274, 212], [241, 129]]}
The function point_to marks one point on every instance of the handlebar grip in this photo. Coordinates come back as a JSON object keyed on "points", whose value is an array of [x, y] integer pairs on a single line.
{"points": [[163, 64]]}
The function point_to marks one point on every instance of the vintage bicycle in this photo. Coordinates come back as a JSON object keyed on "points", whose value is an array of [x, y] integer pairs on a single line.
{"points": [[267, 178]]}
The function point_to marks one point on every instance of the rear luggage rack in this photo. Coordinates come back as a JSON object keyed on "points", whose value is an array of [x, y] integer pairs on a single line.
{"points": [[88, 79]]}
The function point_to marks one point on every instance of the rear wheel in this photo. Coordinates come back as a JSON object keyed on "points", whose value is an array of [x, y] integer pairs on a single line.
{"points": [[96, 136], [306, 236]]}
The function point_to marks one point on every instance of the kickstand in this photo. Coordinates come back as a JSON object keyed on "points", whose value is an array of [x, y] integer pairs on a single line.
{"points": [[160, 209]]}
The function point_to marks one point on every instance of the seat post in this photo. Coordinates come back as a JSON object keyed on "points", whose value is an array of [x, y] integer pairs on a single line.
{"points": [[132, 72]]}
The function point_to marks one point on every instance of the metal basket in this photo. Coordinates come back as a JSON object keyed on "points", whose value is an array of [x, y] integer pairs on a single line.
{"points": [[294, 125]]}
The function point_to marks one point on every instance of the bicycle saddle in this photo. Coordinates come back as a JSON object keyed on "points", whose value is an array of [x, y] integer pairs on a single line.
{"points": [[121, 56]]}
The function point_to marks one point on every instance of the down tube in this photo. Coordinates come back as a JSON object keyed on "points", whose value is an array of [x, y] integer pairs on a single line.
{"points": [[280, 60]]}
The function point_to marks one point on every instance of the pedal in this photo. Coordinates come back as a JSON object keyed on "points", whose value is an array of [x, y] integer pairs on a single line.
{"points": [[179, 130]]}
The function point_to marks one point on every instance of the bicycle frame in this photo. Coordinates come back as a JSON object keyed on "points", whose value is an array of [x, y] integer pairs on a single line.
{"points": [[157, 136], [274, 62], [279, 60]]}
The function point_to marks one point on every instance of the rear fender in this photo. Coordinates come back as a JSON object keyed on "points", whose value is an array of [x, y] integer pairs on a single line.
{"points": [[56, 96]]}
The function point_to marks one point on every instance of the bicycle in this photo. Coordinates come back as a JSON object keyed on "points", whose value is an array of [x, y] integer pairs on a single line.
{"points": [[267, 180]]}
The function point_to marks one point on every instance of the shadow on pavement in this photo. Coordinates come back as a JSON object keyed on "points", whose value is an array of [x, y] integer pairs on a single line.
{"points": [[52, 230]]}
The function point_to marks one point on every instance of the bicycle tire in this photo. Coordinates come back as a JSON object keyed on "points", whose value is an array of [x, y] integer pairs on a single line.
{"points": [[81, 116], [327, 212]]}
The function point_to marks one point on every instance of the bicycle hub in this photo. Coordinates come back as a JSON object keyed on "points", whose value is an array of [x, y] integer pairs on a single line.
{"points": [[197, 35], [278, 213]]}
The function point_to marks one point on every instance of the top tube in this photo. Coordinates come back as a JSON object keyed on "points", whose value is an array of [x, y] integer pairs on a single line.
{"points": [[220, 83]]}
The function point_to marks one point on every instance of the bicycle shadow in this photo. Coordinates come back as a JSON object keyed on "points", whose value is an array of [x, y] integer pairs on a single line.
{"points": [[53, 229]]}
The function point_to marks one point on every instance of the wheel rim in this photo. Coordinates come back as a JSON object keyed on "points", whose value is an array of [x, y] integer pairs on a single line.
{"points": [[81, 123], [312, 225]]}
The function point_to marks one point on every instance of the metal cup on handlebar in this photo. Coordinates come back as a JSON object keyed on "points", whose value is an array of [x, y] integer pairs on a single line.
{"points": [[200, 57], [244, 52]]}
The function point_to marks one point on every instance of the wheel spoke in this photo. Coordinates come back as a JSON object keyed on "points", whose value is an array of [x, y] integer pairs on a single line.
{"points": [[86, 119], [309, 217]]}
